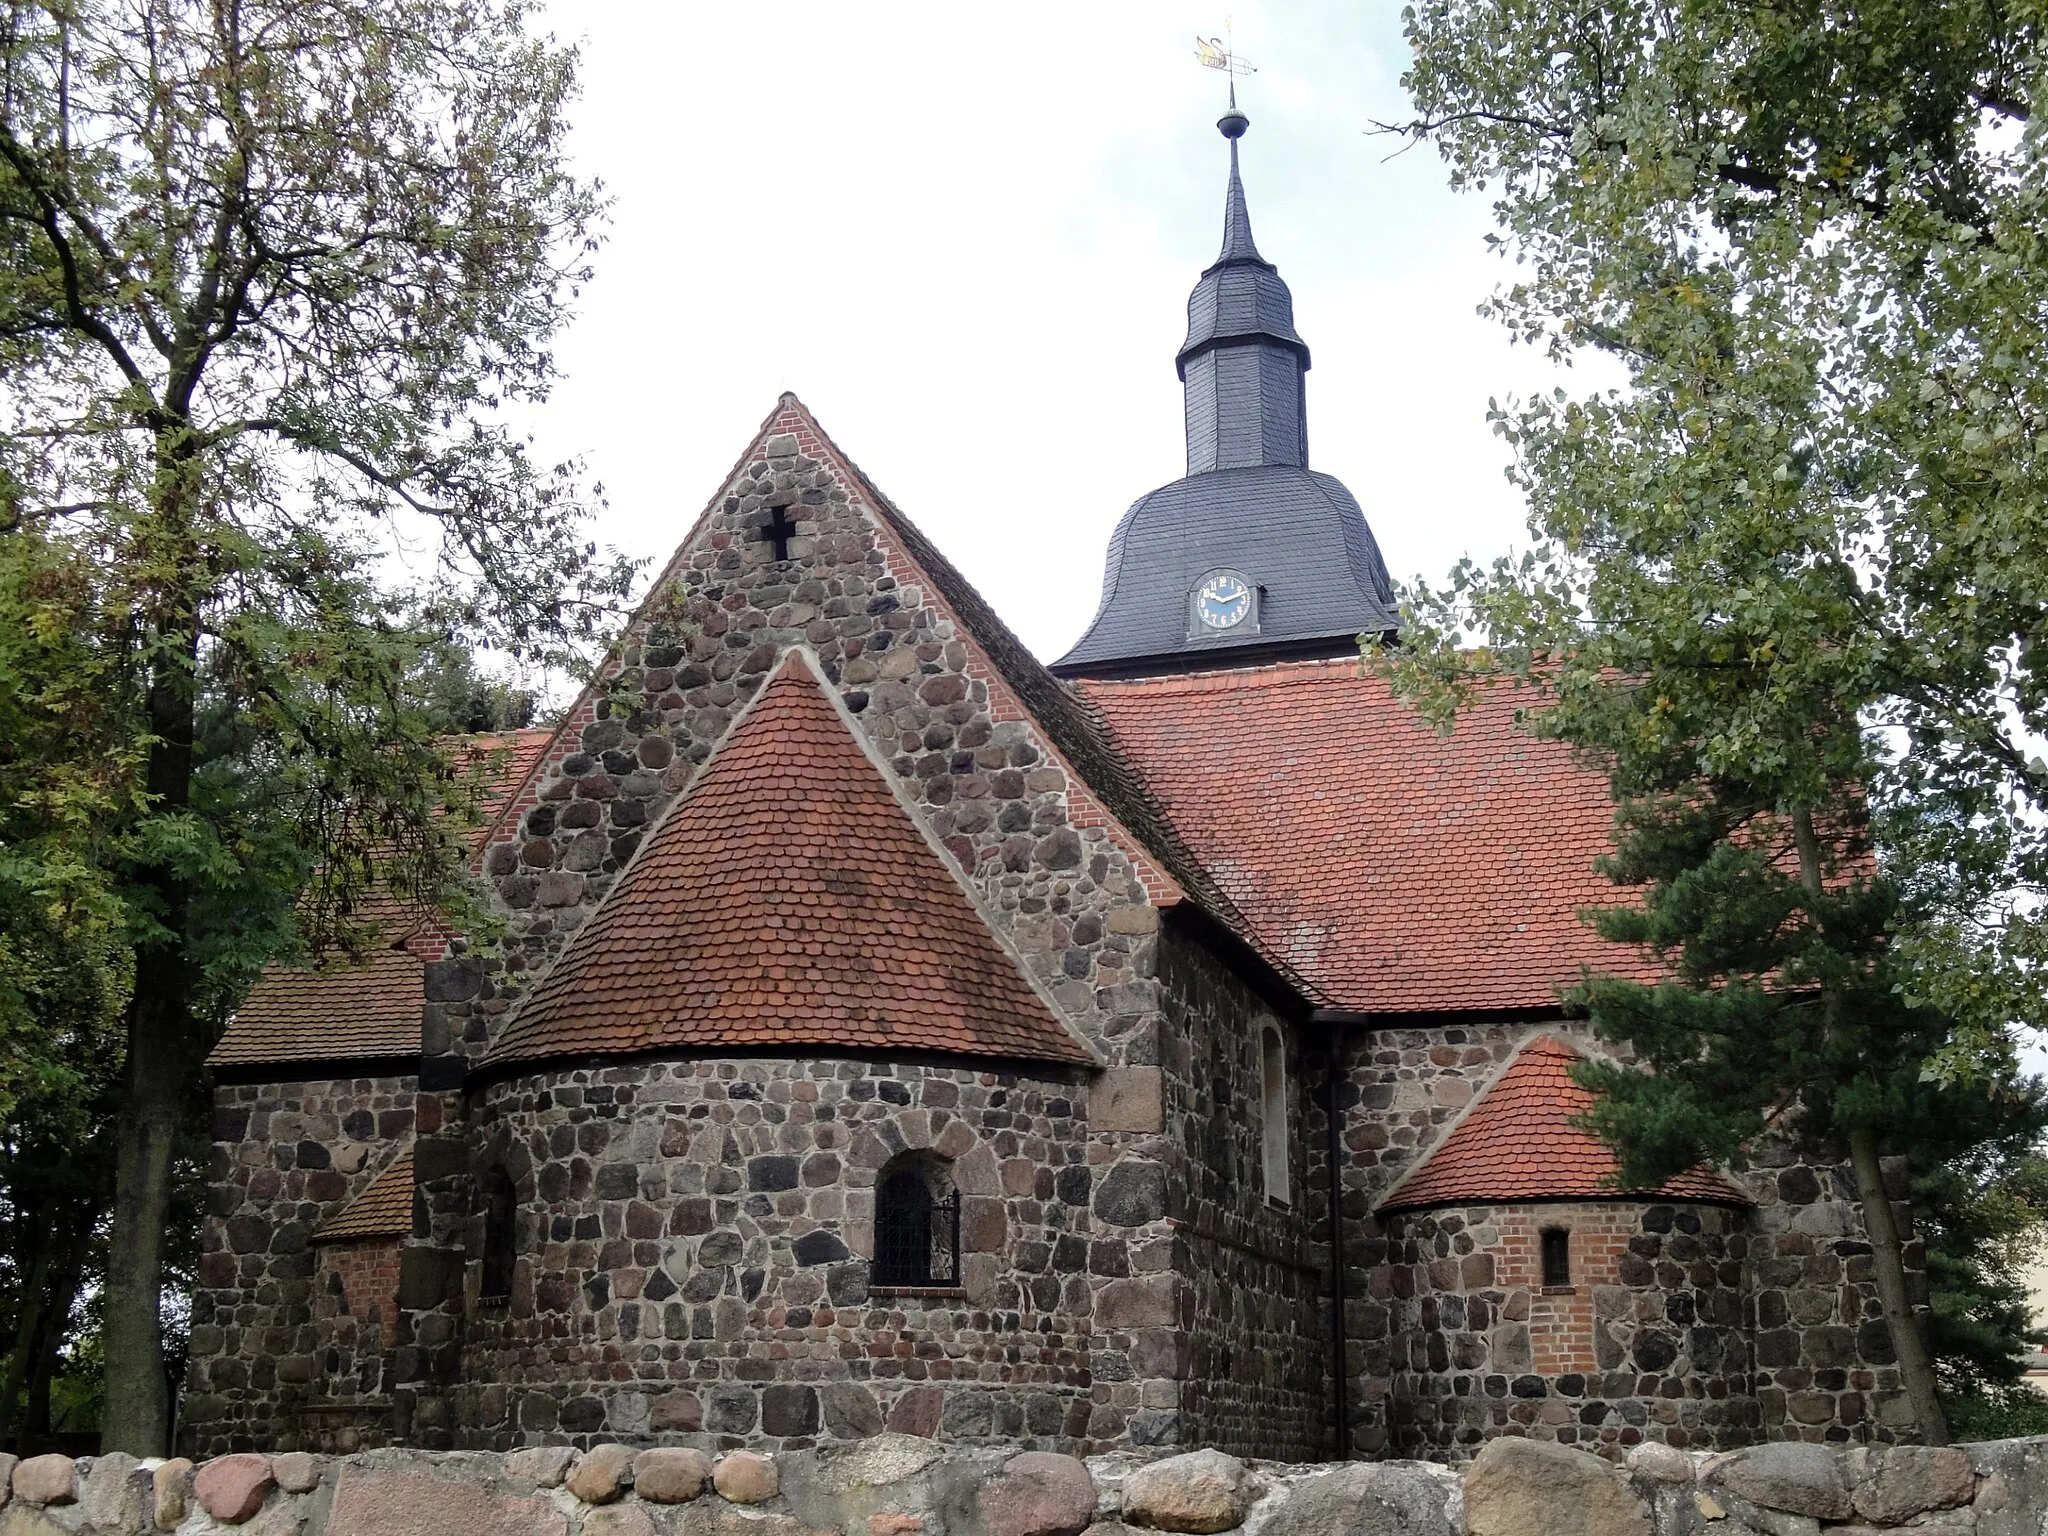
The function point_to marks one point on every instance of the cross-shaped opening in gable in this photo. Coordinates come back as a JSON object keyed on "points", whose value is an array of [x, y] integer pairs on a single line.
{"points": [[779, 529]]}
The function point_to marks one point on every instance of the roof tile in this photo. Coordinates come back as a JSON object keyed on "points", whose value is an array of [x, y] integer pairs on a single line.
{"points": [[1518, 1143], [1391, 868], [383, 1209], [787, 899]]}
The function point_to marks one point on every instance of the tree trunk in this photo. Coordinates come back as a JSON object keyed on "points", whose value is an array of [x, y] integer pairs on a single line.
{"points": [[1909, 1343], [1888, 1259], [164, 1050], [28, 1327], [136, 1416]]}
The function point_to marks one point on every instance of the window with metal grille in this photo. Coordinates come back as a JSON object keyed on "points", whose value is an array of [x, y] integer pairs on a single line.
{"points": [[1557, 1257], [501, 1237], [917, 1229]]}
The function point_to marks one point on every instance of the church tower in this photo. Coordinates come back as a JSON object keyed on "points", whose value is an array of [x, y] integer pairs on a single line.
{"points": [[1250, 556]]}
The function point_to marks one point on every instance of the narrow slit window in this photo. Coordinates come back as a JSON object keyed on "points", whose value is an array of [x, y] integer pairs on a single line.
{"points": [[1273, 1051], [1557, 1257], [501, 1237]]}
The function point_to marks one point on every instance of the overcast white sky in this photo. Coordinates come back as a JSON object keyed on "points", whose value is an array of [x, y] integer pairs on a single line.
{"points": [[965, 235]]}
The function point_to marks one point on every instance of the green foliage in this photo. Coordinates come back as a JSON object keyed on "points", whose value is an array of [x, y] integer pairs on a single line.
{"points": [[1789, 582], [2007, 1414], [1814, 240], [273, 275], [466, 701]]}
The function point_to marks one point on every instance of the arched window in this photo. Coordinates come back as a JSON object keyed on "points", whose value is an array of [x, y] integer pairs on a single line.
{"points": [[1557, 1257], [1273, 1053], [917, 1224], [501, 1236]]}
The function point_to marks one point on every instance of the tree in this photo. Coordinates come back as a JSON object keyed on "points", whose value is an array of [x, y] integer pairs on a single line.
{"points": [[468, 701], [271, 274], [1789, 582], [1981, 1198]]}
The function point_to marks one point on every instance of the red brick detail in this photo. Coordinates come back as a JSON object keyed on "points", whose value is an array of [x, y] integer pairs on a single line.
{"points": [[383, 1209], [1392, 868], [787, 899], [1561, 1320], [369, 1281], [1517, 1143]]}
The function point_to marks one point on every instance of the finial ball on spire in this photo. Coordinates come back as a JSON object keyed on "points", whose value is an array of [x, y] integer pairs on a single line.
{"points": [[1233, 123]]}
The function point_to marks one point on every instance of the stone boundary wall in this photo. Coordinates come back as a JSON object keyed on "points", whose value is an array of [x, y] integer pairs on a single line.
{"points": [[902, 1485]]}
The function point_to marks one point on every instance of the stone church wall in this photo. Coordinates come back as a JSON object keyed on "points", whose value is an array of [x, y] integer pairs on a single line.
{"points": [[284, 1156], [1252, 1369], [1650, 1341], [693, 1258], [1033, 841], [1821, 1361]]}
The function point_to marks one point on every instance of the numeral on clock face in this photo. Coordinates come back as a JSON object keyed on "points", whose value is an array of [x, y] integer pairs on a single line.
{"points": [[1223, 601]]}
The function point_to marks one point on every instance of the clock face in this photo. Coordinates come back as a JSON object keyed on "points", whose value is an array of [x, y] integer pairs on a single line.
{"points": [[1223, 601]]}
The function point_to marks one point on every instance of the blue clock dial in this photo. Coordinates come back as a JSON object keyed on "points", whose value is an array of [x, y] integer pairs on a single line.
{"points": [[1223, 601]]}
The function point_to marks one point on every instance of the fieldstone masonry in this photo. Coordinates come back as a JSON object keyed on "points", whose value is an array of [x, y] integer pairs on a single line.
{"points": [[691, 1234], [269, 1339], [896, 1485], [1808, 1342]]}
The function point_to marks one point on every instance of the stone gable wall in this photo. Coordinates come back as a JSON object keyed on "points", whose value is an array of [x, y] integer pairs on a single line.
{"points": [[1044, 860], [285, 1157]]}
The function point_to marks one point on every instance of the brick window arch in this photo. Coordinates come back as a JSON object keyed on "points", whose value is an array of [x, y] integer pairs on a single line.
{"points": [[917, 1223]]}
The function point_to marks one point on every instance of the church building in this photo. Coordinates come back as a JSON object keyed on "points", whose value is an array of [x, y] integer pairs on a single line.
{"points": [[1157, 1048]]}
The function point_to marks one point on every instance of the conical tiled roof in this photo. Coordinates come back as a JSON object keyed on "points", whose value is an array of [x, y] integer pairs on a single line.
{"points": [[787, 900], [1518, 1143]]}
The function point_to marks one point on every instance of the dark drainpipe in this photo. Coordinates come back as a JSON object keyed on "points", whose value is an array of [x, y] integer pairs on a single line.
{"points": [[1339, 1022]]}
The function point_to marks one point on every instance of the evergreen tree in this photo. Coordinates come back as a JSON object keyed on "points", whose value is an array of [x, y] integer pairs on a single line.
{"points": [[1790, 580]]}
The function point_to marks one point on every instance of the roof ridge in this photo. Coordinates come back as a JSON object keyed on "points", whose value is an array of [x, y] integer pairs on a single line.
{"points": [[1054, 706]]}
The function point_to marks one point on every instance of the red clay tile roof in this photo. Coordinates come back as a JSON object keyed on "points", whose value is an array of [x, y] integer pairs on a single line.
{"points": [[506, 775], [384, 1209], [340, 1012], [1391, 868], [1517, 1143], [370, 1008], [787, 899]]}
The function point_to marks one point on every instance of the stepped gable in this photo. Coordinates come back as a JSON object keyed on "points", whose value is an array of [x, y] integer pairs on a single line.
{"points": [[383, 1209], [789, 898], [1393, 869], [1517, 1143]]}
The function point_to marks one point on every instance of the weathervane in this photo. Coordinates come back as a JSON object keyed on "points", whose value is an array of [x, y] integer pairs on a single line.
{"points": [[1221, 53]]}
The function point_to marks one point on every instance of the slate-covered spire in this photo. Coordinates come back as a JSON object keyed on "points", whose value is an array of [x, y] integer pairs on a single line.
{"points": [[1283, 552], [1242, 363], [1237, 222]]}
